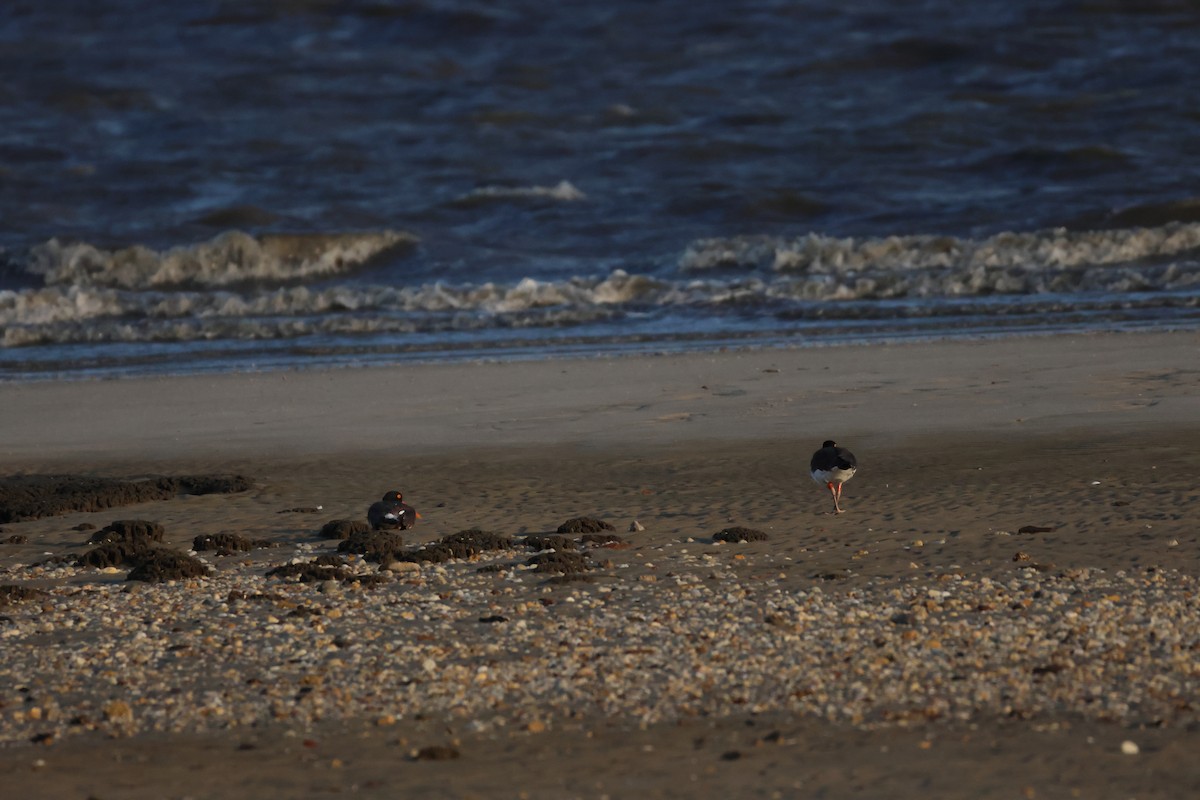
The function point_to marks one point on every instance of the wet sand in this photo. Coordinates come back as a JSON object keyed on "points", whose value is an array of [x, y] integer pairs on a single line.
{"points": [[918, 645]]}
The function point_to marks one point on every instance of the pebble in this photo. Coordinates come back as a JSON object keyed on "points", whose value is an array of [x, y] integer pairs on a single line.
{"points": [[238, 649]]}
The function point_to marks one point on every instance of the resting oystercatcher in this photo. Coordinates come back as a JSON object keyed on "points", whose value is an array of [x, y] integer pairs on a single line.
{"points": [[833, 466], [391, 512]]}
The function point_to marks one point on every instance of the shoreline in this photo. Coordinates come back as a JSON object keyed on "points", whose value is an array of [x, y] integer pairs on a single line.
{"points": [[887, 393]]}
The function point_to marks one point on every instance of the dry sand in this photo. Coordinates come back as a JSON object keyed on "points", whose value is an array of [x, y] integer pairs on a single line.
{"points": [[917, 646]]}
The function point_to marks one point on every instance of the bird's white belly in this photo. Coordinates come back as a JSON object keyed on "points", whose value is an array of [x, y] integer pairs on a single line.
{"points": [[835, 475]]}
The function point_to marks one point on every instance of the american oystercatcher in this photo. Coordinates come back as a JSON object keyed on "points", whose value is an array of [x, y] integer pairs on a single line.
{"points": [[391, 512], [833, 466]]}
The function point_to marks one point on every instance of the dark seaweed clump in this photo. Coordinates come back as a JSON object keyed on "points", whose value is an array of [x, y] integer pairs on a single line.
{"points": [[559, 561], [344, 529], [309, 572], [157, 566], [550, 541], [25, 497], [312, 572], [739, 534], [584, 525], [111, 555], [136, 532], [438, 552], [225, 543], [124, 542], [14, 593], [602, 539], [481, 540], [380, 547]]}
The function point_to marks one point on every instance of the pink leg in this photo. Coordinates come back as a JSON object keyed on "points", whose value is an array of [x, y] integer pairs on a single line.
{"points": [[833, 490]]}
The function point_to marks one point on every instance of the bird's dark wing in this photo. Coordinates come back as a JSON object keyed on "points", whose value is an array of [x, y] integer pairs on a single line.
{"points": [[823, 459]]}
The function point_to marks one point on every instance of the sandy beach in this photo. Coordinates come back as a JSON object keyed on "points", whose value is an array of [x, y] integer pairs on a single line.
{"points": [[1009, 607]]}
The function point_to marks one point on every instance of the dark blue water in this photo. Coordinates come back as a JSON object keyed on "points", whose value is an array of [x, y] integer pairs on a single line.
{"points": [[254, 185]]}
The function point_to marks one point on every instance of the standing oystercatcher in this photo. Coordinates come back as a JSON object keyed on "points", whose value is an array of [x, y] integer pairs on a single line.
{"points": [[391, 512], [833, 466]]}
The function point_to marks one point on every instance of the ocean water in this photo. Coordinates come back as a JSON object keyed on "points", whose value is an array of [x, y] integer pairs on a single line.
{"points": [[265, 184]]}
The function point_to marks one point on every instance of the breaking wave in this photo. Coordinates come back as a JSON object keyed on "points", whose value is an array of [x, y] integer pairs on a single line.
{"points": [[230, 259], [238, 287], [1034, 252], [563, 191]]}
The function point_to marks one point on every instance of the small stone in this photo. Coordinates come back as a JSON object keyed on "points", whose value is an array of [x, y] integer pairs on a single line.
{"points": [[1130, 748], [119, 712], [537, 726], [636, 527], [436, 752]]}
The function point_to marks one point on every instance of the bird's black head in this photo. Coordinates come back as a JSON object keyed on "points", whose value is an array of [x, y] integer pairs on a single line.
{"points": [[828, 443], [393, 497]]}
